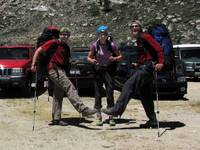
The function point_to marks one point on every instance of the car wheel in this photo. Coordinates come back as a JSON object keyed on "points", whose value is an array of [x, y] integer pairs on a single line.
{"points": [[41, 88], [179, 96], [27, 90]]}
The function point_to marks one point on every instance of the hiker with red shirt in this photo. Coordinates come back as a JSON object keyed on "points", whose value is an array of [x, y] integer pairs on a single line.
{"points": [[141, 81], [56, 70]]}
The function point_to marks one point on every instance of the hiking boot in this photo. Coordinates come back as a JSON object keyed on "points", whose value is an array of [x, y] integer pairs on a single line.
{"points": [[109, 111], [112, 122], [99, 121], [149, 124], [88, 111], [58, 122]]}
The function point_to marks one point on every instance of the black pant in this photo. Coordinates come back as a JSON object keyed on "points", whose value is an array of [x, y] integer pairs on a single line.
{"points": [[140, 83], [103, 75]]}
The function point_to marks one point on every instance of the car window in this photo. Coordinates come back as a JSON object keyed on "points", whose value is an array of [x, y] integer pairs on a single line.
{"points": [[130, 54], [79, 55], [176, 52], [14, 53], [191, 53]]}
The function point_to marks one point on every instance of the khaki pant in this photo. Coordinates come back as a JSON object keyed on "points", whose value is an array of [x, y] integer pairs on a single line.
{"points": [[62, 85]]}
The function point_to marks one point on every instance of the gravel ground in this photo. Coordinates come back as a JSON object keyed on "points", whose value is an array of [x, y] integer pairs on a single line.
{"points": [[179, 121]]}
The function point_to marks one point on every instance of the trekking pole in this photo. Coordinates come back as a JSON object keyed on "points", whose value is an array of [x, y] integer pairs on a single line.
{"points": [[74, 64], [76, 80], [34, 100], [157, 102]]}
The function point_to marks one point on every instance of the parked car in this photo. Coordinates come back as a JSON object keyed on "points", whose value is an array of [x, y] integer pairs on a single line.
{"points": [[15, 64], [170, 83], [190, 55], [81, 71]]}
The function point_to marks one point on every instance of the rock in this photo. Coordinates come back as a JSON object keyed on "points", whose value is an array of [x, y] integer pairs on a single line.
{"points": [[26, 17]]}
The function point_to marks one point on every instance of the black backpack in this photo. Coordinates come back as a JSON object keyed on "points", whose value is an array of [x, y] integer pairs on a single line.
{"points": [[48, 33], [44, 58]]}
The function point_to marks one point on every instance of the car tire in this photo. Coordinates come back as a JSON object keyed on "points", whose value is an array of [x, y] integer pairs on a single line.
{"points": [[27, 90], [180, 96]]}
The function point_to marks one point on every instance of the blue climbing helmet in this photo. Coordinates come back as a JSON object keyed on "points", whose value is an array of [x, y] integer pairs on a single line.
{"points": [[102, 28]]}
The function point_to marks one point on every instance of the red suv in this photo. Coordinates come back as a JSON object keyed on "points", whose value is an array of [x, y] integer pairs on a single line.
{"points": [[15, 63]]}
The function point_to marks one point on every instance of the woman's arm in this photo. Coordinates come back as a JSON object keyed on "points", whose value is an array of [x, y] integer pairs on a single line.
{"points": [[91, 57]]}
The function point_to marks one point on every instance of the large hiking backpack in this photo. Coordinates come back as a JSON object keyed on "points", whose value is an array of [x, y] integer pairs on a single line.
{"points": [[161, 34], [48, 33]]}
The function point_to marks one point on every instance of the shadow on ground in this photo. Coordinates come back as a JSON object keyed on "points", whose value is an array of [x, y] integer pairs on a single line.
{"points": [[167, 125], [79, 122], [87, 124]]}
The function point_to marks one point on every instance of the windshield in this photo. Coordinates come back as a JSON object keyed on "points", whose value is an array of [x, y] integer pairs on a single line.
{"points": [[130, 54], [14, 53], [79, 55], [192, 53]]}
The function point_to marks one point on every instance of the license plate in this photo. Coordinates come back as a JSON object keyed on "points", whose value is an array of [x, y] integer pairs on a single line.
{"points": [[73, 72]]}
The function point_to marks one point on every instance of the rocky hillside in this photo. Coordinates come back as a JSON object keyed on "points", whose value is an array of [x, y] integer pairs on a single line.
{"points": [[21, 21]]}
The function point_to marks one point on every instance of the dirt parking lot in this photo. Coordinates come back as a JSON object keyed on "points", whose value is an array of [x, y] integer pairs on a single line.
{"points": [[179, 121]]}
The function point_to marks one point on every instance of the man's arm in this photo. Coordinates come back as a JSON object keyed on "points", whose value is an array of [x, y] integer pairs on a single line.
{"points": [[156, 46], [35, 57]]}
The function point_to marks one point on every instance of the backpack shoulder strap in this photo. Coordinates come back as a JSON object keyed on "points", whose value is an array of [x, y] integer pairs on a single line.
{"points": [[97, 46], [146, 46], [140, 38], [110, 46]]}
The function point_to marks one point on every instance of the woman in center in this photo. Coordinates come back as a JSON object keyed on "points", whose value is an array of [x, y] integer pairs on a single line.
{"points": [[103, 54]]}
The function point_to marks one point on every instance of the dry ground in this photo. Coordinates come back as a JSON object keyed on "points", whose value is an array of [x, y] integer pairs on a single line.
{"points": [[179, 120]]}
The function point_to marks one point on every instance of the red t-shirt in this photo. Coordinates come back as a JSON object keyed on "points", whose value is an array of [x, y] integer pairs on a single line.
{"points": [[57, 53]]}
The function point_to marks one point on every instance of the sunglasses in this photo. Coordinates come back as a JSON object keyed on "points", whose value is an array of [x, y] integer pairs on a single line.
{"points": [[134, 26]]}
